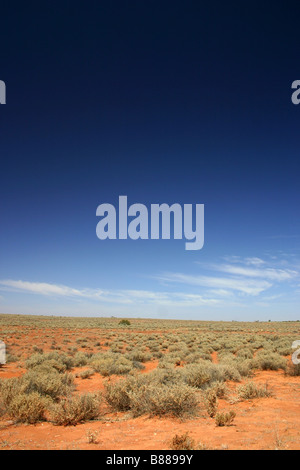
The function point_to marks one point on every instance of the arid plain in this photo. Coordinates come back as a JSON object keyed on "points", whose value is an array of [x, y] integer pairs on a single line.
{"points": [[112, 384]]}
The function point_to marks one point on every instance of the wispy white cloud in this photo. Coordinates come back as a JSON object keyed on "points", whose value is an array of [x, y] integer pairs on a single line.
{"points": [[254, 261], [250, 261], [221, 292], [112, 296], [226, 284], [250, 276], [246, 286], [43, 288], [271, 274]]}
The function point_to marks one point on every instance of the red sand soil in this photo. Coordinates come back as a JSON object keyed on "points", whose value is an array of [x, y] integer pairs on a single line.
{"points": [[265, 423]]}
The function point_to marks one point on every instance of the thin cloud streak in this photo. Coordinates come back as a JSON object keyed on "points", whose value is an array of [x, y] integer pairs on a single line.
{"points": [[249, 276], [112, 296], [248, 286], [271, 274]]}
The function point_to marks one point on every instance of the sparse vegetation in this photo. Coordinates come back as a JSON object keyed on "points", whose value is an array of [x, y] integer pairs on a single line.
{"points": [[182, 442], [124, 322], [27, 408], [154, 394], [76, 409], [251, 390], [186, 371], [211, 402], [225, 419]]}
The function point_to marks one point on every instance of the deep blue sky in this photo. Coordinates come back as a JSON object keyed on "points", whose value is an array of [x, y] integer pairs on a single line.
{"points": [[162, 101]]}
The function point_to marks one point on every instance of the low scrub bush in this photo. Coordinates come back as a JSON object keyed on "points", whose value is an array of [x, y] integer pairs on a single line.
{"points": [[182, 442], [211, 402], [200, 375], [108, 364], [293, 370], [153, 394], [118, 395], [27, 408], [86, 374], [251, 390], [9, 389], [220, 389], [177, 400], [74, 410], [225, 419], [269, 361], [59, 361], [80, 359], [204, 374], [139, 356], [52, 384]]}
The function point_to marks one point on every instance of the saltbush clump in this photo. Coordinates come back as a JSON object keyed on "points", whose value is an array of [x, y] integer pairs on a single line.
{"points": [[269, 361], [225, 419], [182, 442], [251, 390], [108, 364], [177, 400], [27, 408], [154, 394], [74, 410]]}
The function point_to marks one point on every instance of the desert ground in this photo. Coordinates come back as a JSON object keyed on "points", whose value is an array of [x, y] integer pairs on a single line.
{"points": [[132, 384]]}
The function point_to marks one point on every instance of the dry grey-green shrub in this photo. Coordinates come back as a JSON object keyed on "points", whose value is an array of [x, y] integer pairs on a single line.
{"points": [[48, 384], [27, 408], [75, 409], [9, 389], [92, 436], [269, 361], [225, 418], [245, 353], [293, 370], [244, 367], [177, 400], [60, 361], [170, 359], [211, 402], [236, 366], [157, 393], [118, 395], [138, 355], [204, 373], [201, 375], [80, 359], [108, 364], [229, 371], [166, 376], [251, 390], [225, 356], [219, 388], [182, 442], [198, 356], [86, 374]]}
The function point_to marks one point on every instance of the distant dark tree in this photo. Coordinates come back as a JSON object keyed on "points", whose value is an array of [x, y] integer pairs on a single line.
{"points": [[124, 322]]}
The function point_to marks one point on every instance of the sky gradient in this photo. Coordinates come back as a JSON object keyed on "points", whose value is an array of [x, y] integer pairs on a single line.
{"points": [[165, 102]]}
